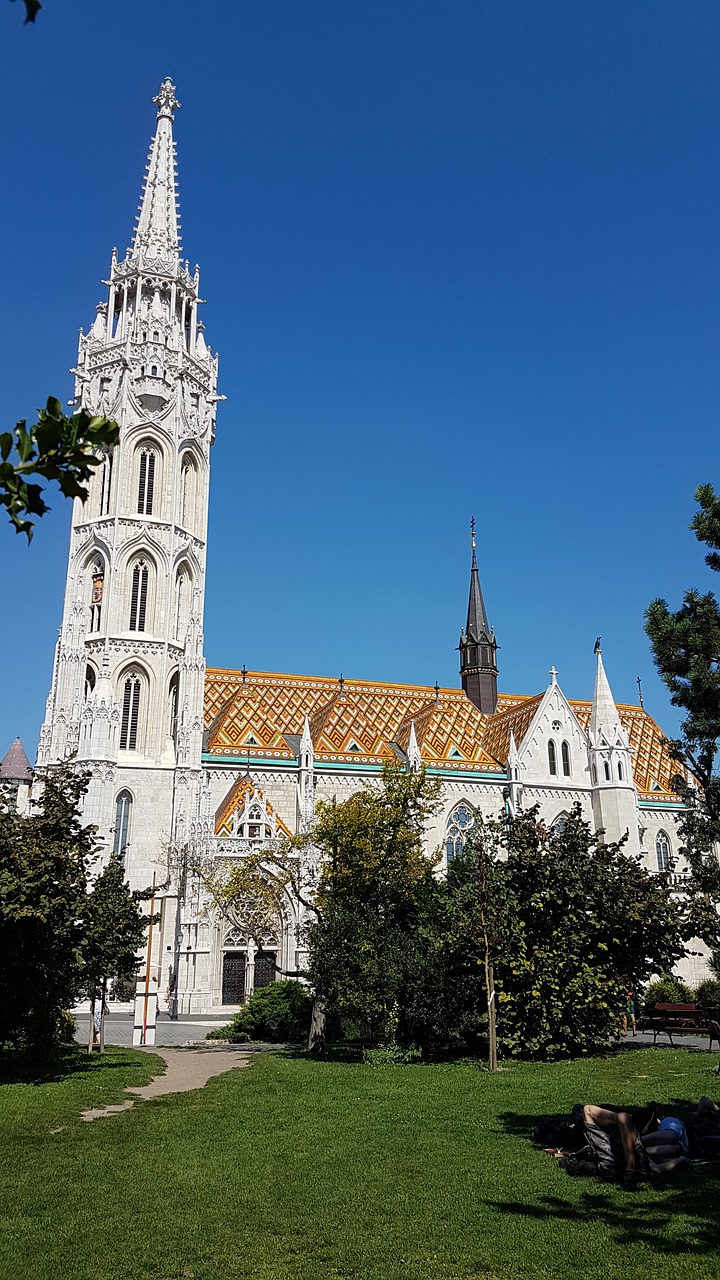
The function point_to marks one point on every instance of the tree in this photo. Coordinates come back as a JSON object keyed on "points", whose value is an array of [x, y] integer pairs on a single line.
{"points": [[44, 861], [114, 930], [375, 878], [686, 649], [32, 8], [589, 922], [56, 448]]}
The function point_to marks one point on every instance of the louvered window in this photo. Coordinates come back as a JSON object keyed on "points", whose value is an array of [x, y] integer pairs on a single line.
{"points": [[130, 714], [146, 483], [138, 596]]}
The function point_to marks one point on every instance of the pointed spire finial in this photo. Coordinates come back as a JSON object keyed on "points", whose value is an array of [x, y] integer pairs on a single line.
{"points": [[166, 102], [640, 692], [472, 533]]}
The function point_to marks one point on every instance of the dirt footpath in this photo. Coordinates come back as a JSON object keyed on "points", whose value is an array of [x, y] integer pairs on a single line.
{"points": [[186, 1069]]}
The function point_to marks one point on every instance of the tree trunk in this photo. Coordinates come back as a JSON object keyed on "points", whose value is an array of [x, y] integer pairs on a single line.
{"points": [[492, 1033], [103, 997], [316, 1038]]}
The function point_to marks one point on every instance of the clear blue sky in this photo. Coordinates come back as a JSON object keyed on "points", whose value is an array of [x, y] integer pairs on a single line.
{"points": [[459, 258]]}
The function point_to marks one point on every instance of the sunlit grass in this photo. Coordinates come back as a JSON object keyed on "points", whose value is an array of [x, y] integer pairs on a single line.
{"points": [[292, 1170]]}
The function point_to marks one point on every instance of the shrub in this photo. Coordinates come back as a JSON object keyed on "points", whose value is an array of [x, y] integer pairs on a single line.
{"points": [[66, 1027], [276, 1013], [668, 989], [391, 1055], [707, 995]]}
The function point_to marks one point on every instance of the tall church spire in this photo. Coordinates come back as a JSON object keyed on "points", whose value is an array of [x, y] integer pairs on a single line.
{"points": [[478, 647], [157, 231]]}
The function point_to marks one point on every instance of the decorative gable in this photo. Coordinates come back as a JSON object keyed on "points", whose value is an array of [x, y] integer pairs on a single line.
{"points": [[245, 814]]}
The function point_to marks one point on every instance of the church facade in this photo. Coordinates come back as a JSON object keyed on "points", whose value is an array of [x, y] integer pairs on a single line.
{"points": [[189, 765]]}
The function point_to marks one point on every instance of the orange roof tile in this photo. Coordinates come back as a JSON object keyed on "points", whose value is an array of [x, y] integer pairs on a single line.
{"points": [[258, 711], [358, 723]]}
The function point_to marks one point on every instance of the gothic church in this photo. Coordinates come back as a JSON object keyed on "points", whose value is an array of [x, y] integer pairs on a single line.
{"points": [[219, 762]]}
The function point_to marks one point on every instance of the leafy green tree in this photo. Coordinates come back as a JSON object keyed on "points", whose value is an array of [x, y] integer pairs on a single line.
{"points": [[464, 924], [55, 448], [44, 862], [114, 928], [589, 922], [375, 878], [686, 648]]}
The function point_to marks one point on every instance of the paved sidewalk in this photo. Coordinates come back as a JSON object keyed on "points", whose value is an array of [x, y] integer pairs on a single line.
{"points": [[119, 1029], [186, 1069]]}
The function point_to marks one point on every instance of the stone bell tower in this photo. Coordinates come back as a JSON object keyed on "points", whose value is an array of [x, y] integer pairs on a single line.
{"points": [[127, 689]]}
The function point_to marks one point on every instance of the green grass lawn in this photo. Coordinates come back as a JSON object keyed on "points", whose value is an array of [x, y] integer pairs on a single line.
{"points": [[292, 1170]]}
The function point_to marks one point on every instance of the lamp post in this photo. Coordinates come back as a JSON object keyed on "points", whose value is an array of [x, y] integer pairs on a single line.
{"points": [[181, 893]]}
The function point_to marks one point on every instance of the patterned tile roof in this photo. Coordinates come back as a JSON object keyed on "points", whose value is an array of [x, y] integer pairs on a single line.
{"points": [[364, 721], [358, 722]]}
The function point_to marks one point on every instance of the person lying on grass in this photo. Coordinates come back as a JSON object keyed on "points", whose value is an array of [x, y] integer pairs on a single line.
{"points": [[617, 1143]]}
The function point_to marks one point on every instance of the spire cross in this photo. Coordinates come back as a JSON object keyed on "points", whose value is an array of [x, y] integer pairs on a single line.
{"points": [[553, 674], [472, 531]]}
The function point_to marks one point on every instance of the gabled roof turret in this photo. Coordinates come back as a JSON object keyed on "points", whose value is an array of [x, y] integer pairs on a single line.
{"points": [[15, 766]]}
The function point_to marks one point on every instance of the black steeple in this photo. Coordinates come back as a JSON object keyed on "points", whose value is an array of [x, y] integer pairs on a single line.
{"points": [[478, 647]]}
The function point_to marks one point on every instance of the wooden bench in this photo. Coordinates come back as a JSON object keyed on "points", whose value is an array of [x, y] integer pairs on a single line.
{"points": [[684, 1019]]}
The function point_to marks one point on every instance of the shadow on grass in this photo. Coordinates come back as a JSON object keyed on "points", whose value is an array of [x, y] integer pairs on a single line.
{"points": [[636, 1221], [18, 1068], [692, 1194]]}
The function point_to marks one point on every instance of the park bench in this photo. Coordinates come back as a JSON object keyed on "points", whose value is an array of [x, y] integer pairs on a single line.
{"points": [[684, 1019]]}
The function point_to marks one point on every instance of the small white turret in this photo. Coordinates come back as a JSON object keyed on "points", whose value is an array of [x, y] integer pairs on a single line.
{"points": [[611, 773]]}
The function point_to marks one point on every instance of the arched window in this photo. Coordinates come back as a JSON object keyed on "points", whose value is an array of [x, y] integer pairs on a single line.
{"points": [[565, 756], [123, 805], [106, 482], [620, 770], [182, 602], [146, 481], [662, 851], [552, 758], [607, 771], [89, 680], [173, 691], [558, 825], [460, 824], [187, 493], [130, 712], [138, 596], [97, 575]]}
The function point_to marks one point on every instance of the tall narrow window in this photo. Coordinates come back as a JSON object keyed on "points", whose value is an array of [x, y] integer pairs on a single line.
{"points": [[187, 494], [565, 756], [552, 758], [146, 484], [138, 596], [123, 805], [105, 483], [89, 681], [97, 574], [173, 707], [607, 771], [662, 851], [181, 586], [130, 713], [620, 770]]}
